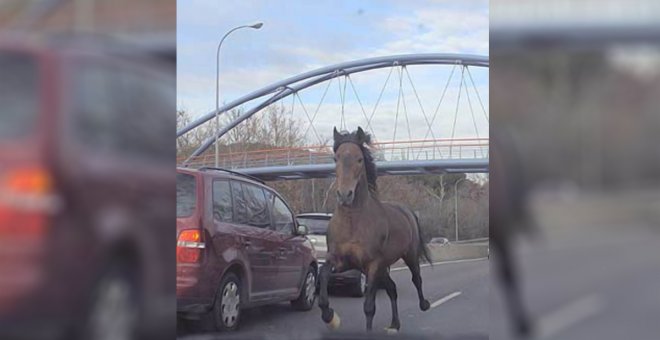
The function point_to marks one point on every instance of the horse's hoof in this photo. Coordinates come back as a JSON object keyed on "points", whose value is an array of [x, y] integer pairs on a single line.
{"points": [[424, 305], [389, 330], [335, 322]]}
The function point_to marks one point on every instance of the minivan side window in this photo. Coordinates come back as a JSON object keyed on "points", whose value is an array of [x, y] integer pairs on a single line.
{"points": [[282, 219], [94, 108], [257, 209], [125, 113], [240, 207], [151, 99], [222, 207]]}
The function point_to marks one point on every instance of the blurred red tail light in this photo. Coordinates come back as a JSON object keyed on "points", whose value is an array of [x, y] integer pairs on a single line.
{"points": [[189, 246], [26, 200], [29, 180]]}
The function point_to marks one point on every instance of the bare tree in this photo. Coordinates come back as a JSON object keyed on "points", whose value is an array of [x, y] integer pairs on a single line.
{"points": [[430, 196], [186, 144]]}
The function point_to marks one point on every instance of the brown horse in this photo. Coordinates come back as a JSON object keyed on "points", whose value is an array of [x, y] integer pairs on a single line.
{"points": [[367, 234]]}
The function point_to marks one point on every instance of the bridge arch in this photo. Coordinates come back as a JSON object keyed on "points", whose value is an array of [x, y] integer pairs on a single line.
{"points": [[290, 86]]}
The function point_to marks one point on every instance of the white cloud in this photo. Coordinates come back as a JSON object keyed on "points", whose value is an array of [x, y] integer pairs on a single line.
{"points": [[422, 30], [437, 30]]}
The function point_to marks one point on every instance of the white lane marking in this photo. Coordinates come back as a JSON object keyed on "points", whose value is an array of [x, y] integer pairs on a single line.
{"points": [[438, 263], [568, 315], [445, 299]]}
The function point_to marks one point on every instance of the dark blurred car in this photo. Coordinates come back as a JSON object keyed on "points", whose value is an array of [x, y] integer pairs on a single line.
{"points": [[353, 282], [238, 246], [86, 191]]}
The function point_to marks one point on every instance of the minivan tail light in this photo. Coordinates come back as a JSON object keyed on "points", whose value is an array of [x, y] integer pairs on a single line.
{"points": [[28, 180], [189, 246], [26, 200]]}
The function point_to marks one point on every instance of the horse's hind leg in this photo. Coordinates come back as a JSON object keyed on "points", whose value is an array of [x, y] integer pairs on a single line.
{"points": [[390, 287], [327, 314], [413, 263]]}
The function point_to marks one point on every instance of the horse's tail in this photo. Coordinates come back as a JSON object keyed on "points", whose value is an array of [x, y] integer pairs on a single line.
{"points": [[423, 249]]}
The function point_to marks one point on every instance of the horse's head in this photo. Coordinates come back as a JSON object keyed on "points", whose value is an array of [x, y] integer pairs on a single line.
{"points": [[353, 162]]}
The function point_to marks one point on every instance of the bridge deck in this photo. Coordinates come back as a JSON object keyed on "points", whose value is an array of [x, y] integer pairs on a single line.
{"points": [[290, 172], [414, 157]]}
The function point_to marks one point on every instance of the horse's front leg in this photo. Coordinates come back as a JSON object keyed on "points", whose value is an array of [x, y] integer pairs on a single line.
{"points": [[327, 314], [373, 283]]}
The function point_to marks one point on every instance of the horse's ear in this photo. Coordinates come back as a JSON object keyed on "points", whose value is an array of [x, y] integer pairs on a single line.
{"points": [[335, 133], [360, 135]]}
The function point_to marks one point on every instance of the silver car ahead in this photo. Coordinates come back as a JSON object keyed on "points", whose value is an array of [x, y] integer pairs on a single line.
{"points": [[353, 282]]}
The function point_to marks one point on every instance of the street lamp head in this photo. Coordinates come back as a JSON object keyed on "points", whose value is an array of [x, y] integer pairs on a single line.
{"points": [[257, 25]]}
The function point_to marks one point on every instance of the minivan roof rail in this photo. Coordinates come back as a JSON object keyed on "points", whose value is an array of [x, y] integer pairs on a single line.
{"points": [[204, 168]]}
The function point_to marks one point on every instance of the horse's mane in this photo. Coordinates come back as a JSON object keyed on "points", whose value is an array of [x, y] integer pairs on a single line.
{"points": [[363, 141]]}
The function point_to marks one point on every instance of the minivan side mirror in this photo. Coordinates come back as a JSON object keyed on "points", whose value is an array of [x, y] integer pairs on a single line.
{"points": [[302, 230]]}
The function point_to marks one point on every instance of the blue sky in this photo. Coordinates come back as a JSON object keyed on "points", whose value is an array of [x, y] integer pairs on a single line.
{"points": [[299, 36]]}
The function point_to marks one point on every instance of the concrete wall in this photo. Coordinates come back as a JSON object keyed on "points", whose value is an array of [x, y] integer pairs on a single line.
{"points": [[458, 251], [451, 252]]}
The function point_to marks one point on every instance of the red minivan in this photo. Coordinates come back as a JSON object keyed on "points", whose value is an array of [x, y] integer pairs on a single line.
{"points": [[86, 187], [238, 246]]}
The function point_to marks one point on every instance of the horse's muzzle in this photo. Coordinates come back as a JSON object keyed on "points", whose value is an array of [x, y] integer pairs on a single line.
{"points": [[345, 198]]}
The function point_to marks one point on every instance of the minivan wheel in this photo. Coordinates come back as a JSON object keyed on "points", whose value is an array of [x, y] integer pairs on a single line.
{"points": [[113, 313], [227, 307], [305, 300]]}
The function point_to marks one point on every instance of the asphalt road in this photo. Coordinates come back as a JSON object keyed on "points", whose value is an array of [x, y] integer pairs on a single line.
{"points": [[458, 292], [593, 272]]}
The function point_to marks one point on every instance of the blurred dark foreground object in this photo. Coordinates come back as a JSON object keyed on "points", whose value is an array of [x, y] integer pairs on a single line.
{"points": [[577, 84], [87, 206], [509, 216]]}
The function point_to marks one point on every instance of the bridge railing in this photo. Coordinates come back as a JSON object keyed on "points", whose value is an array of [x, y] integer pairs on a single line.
{"points": [[458, 148]]}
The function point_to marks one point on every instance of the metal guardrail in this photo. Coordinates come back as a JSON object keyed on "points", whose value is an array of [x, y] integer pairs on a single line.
{"points": [[414, 150], [474, 240]]}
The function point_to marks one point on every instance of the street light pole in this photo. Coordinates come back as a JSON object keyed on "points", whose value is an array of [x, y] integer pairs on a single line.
{"points": [[456, 206], [217, 86]]}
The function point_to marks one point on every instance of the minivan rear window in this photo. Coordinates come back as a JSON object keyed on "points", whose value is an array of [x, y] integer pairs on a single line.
{"points": [[18, 94], [186, 198]]}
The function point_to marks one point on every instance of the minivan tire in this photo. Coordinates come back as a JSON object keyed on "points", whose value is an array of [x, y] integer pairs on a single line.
{"points": [[227, 307], [114, 310], [305, 300]]}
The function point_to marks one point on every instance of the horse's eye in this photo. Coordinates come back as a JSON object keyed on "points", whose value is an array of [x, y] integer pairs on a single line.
{"points": [[360, 160], [334, 159]]}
